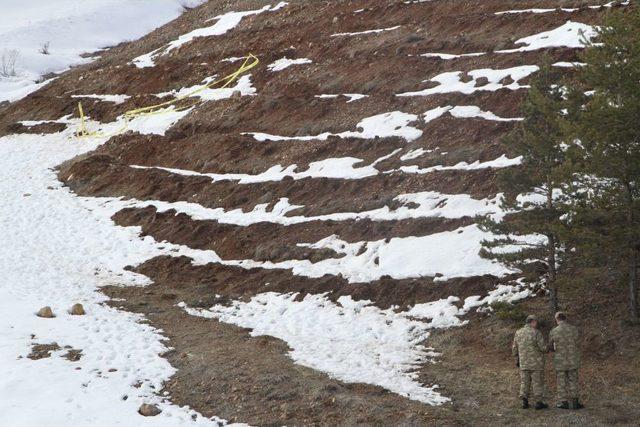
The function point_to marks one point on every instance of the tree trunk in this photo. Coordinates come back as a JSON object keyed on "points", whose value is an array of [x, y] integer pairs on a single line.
{"points": [[553, 299], [551, 279], [633, 286], [551, 259], [633, 258]]}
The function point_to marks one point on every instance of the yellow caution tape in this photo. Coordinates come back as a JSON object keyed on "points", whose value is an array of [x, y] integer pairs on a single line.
{"points": [[157, 109]]}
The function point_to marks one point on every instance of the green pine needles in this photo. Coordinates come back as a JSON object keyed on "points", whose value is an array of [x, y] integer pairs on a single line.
{"points": [[574, 203]]}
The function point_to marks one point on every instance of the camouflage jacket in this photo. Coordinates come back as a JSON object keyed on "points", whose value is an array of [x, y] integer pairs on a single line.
{"points": [[529, 347], [564, 342]]}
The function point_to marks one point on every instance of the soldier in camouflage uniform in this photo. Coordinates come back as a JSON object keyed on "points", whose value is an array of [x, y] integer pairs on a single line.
{"points": [[564, 343], [529, 348]]}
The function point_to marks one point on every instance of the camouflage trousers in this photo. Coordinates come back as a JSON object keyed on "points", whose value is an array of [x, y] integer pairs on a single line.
{"points": [[531, 384], [567, 385]]}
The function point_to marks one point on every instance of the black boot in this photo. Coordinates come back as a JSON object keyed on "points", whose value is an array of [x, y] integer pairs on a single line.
{"points": [[525, 403], [563, 405], [575, 404], [541, 405]]}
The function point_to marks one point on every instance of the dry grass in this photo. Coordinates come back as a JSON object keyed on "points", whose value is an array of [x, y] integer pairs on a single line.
{"points": [[8, 63]]}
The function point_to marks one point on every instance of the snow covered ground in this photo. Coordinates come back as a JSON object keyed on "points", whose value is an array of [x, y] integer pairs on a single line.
{"points": [[61, 248], [361, 33], [222, 24], [285, 62], [70, 28], [570, 34], [352, 340], [414, 205], [57, 250], [394, 123], [451, 81]]}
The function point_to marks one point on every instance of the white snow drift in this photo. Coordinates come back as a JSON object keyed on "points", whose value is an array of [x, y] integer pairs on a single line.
{"points": [[570, 34], [49, 36], [414, 205], [361, 33], [395, 123], [355, 341], [223, 23], [451, 81], [285, 62], [57, 250], [351, 341], [243, 86]]}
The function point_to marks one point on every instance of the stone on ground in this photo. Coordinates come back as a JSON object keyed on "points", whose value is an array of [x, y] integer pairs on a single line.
{"points": [[149, 410], [45, 312], [77, 310]]}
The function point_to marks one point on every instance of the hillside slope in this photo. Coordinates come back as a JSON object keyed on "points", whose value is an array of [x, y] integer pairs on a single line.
{"points": [[309, 231]]}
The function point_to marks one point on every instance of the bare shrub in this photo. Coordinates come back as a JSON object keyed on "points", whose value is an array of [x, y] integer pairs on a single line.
{"points": [[44, 49], [8, 63]]}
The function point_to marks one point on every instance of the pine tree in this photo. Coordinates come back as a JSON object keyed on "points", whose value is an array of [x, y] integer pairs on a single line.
{"points": [[606, 128], [528, 237]]}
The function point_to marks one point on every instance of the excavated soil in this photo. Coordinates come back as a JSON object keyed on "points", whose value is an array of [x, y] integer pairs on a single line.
{"points": [[221, 369], [224, 371], [42, 351]]}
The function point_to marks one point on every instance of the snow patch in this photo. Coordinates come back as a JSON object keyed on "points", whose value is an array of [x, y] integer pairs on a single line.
{"points": [[502, 293], [451, 81], [15, 88], [224, 23], [360, 33], [352, 96], [285, 62], [448, 56], [233, 59], [355, 341], [116, 99], [570, 34], [414, 154], [413, 205], [338, 168], [534, 10], [466, 112], [72, 28], [157, 123], [565, 64], [386, 125], [445, 255], [501, 162], [243, 86], [561, 9], [352, 341], [43, 218], [442, 313]]}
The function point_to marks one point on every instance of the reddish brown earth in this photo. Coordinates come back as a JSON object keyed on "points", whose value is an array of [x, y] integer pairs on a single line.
{"points": [[222, 370], [42, 351]]}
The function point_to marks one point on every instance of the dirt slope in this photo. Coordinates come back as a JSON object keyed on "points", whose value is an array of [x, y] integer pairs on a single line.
{"points": [[224, 371]]}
